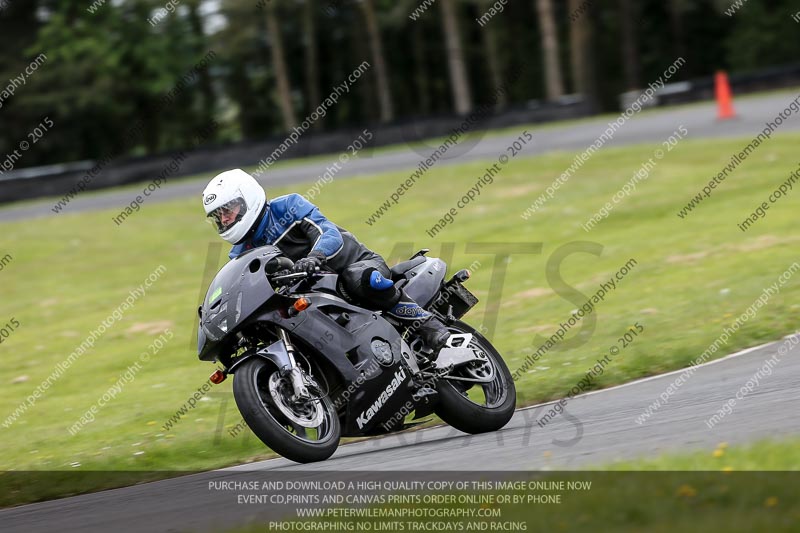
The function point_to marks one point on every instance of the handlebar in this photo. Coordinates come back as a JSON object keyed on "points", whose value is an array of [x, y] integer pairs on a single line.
{"points": [[285, 279]]}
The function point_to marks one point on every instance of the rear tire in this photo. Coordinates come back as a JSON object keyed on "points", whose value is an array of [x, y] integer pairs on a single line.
{"points": [[271, 426], [459, 411]]}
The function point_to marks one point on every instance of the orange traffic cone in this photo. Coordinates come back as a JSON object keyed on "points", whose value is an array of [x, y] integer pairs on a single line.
{"points": [[722, 89]]}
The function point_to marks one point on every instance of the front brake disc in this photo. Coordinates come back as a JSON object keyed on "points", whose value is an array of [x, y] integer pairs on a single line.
{"points": [[307, 414]]}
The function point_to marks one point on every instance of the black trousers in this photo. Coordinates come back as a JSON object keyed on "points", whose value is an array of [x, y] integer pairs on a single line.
{"points": [[354, 283]]}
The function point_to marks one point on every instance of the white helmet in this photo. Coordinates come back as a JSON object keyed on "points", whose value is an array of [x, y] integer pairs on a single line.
{"points": [[233, 201]]}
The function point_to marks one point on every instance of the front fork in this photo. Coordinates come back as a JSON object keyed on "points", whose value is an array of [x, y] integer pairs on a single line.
{"points": [[299, 380]]}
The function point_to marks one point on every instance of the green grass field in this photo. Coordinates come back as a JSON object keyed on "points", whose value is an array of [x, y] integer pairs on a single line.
{"points": [[692, 278], [774, 455], [738, 488]]}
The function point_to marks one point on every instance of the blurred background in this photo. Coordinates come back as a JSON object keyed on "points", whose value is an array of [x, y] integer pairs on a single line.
{"points": [[259, 68], [113, 94]]}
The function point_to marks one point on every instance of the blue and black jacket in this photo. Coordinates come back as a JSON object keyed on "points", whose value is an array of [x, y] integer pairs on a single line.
{"points": [[297, 227]]}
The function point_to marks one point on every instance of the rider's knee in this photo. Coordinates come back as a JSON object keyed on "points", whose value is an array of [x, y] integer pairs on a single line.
{"points": [[356, 282]]}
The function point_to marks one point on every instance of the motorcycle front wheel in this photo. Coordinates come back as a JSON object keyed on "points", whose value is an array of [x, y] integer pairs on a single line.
{"points": [[304, 432]]}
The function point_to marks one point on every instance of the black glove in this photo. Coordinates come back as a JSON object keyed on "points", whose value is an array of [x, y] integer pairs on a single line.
{"points": [[310, 264]]}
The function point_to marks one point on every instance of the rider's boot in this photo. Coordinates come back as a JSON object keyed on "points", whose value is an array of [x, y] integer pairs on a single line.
{"points": [[434, 334]]}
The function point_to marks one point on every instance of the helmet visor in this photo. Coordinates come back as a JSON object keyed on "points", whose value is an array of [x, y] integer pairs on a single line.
{"points": [[228, 215]]}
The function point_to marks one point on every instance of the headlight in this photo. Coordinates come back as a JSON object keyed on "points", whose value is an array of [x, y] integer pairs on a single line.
{"points": [[223, 312]]}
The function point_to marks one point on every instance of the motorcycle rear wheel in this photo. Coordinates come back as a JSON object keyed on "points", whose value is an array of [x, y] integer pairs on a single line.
{"points": [[477, 407]]}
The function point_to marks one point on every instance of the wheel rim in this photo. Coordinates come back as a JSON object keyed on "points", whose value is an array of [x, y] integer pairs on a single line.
{"points": [[490, 394], [309, 421], [307, 414]]}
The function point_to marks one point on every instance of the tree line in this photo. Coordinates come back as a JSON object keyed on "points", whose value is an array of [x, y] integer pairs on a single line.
{"points": [[112, 64]]}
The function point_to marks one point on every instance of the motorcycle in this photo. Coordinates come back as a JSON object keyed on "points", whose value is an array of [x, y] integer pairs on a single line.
{"points": [[311, 367]]}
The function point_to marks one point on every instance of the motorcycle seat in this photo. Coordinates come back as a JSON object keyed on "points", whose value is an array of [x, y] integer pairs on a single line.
{"points": [[399, 270]]}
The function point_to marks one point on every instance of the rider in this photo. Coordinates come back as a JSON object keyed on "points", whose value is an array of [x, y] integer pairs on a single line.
{"points": [[238, 208]]}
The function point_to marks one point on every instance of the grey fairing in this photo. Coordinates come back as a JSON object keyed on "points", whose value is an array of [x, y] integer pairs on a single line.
{"points": [[275, 352], [425, 280], [237, 292], [347, 348], [335, 341]]}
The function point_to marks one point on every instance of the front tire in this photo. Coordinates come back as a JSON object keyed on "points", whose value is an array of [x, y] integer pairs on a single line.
{"points": [[292, 439], [468, 409]]}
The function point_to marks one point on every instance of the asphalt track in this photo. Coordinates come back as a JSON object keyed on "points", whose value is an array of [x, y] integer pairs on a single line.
{"points": [[601, 427], [651, 126]]}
